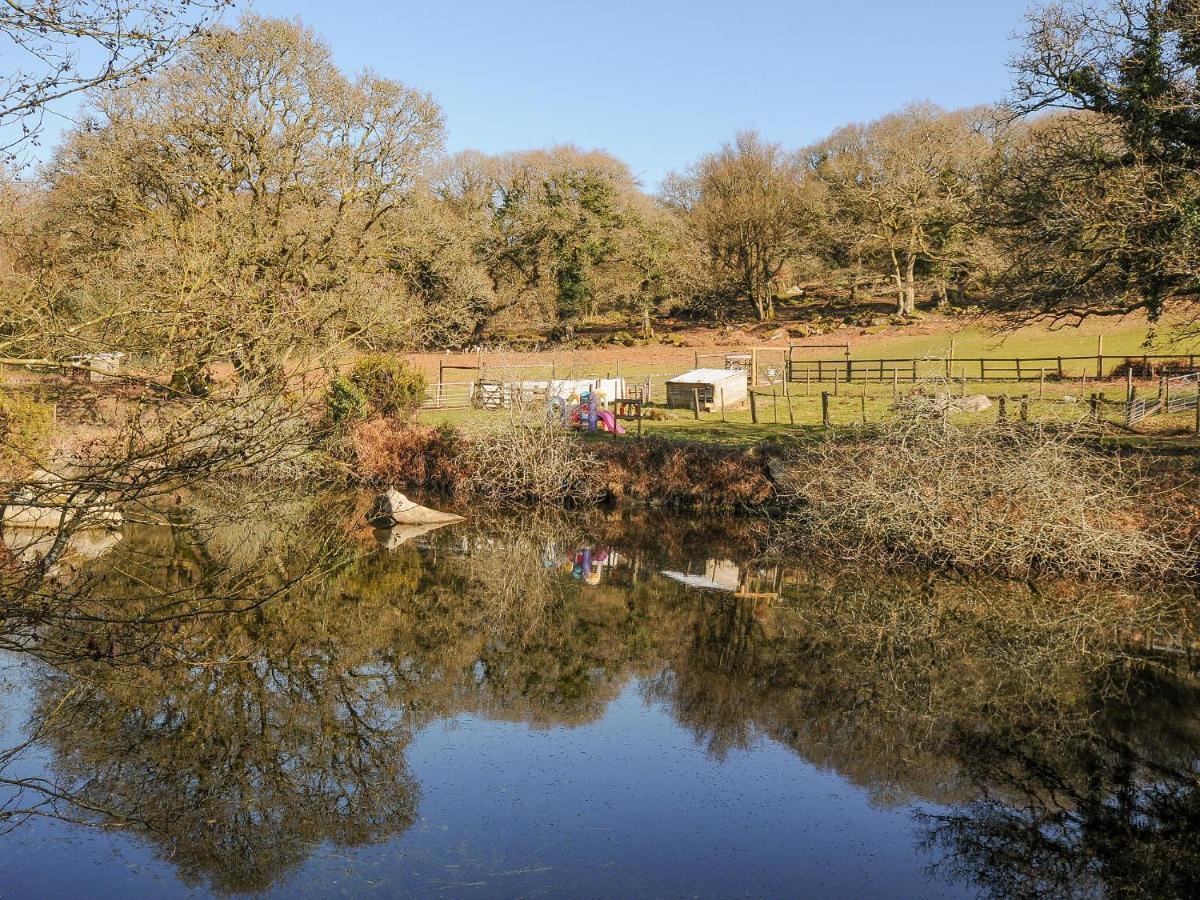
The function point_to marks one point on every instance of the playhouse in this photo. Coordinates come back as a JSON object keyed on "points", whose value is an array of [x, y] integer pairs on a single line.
{"points": [[710, 387]]}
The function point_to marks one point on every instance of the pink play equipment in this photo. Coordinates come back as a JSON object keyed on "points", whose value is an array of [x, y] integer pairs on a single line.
{"points": [[589, 415], [605, 421]]}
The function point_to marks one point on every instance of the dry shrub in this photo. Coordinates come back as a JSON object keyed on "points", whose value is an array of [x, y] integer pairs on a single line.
{"points": [[684, 475], [384, 451], [26, 428], [530, 459], [1012, 499]]}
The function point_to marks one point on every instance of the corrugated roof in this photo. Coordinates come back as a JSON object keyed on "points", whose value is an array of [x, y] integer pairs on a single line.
{"points": [[708, 376]]}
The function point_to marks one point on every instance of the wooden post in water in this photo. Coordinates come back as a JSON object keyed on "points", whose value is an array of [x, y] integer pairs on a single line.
{"points": [[825, 408]]}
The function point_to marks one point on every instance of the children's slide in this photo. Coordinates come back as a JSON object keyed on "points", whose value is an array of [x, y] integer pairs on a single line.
{"points": [[609, 421]]}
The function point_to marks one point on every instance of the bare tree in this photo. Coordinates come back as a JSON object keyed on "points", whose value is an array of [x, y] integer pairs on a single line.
{"points": [[746, 206], [55, 49], [1097, 205], [234, 206], [900, 191]]}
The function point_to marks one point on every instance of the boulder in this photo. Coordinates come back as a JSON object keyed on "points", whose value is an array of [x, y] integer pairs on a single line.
{"points": [[41, 504], [976, 403], [392, 508]]}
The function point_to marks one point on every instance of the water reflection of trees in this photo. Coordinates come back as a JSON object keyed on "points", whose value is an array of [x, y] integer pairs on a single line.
{"points": [[241, 741], [1113, 809]]}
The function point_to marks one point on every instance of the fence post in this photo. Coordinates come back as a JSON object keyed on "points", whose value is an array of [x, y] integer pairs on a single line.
{"points": [[895, 384], [775, 404], [1024, 407], [1099, 356], [1042, 384], [1060, 369], [753, 408], [696, 401], [639, 414], [1094, 401], [722, 394], [825, 408], [1002, 412], [791, 413], [837, 373], [1129, 384], [863, 406]]}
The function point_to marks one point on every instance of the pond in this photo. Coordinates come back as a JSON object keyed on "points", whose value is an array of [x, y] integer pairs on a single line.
{"points": [[621, 705]]}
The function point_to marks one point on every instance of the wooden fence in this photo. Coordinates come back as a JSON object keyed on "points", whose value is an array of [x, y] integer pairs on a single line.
{"points": [[993, 368]]}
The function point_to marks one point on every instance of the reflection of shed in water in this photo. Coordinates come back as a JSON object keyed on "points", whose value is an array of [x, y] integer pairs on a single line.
{"points": [[718, 575], [725, 575]]}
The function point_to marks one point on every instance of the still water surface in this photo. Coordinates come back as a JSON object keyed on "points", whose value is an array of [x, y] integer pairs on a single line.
{"points": [[610, 707]]}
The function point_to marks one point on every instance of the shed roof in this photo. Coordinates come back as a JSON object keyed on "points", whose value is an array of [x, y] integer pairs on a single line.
{"points": [[708, 376]]}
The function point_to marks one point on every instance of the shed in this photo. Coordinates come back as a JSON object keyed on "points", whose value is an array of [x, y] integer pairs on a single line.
{"points": [[712, 386]]}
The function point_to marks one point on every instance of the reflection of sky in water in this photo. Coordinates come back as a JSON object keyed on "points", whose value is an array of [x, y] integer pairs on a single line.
{"points": [[625, 806]]}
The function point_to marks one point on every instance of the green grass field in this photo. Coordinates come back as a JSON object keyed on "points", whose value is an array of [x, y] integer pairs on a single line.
{"points": [[798, 414]]}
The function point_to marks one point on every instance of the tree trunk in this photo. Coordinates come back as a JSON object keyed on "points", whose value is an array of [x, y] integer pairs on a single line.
{"points": [[910, 292], [899, 278]]}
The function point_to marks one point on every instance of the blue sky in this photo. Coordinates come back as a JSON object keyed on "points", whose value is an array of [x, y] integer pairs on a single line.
{"points": [[659, 82]]}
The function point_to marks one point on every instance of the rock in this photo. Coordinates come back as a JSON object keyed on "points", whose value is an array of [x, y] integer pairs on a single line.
{"points": [[976, 403], [40, 504], [777, 471], [392, 508]]}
